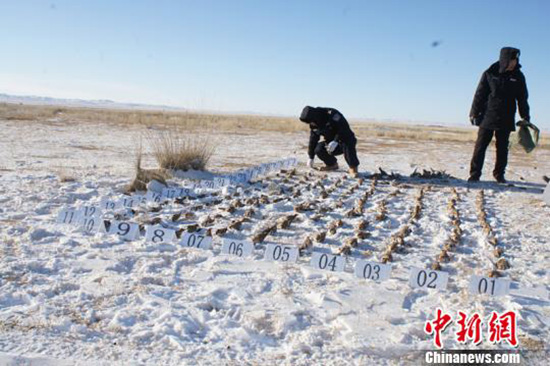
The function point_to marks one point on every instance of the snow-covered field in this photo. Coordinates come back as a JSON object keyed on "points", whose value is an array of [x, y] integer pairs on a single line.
{"points": [[67, 297]]}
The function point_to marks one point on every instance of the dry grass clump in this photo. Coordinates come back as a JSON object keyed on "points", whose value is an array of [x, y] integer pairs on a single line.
{"points": [[144, 176], [177, 150]]}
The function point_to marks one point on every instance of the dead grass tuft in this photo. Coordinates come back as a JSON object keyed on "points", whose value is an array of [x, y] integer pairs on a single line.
{"points": [[144, 176]]}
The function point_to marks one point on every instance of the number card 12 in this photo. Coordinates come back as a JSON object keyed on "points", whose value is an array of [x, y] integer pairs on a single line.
{"points": [[480, 285], [428, 279]]}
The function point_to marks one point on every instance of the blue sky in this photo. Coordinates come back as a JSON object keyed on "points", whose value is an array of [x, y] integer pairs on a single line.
{"points": [[369, 59]]}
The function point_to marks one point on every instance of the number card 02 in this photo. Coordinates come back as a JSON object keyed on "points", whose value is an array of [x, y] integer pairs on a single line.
{"points": [[281, 253], [427, 278], [240, 248], [196, 240], [372, 270], [480, 285], [328, 262]]}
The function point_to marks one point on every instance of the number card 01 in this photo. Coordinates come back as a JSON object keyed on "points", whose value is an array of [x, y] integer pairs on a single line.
{"points": [[157, 234], [328, 262], [240, 248], [372, 270], [196, 240], [281, 253], [429, 279], [480, 285]]}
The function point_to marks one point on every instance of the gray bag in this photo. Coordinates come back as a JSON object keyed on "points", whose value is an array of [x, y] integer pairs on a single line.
{"points": [[527, 135]]}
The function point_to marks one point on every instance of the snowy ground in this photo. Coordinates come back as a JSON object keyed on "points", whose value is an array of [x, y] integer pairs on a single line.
{"points": [[71, 298]]}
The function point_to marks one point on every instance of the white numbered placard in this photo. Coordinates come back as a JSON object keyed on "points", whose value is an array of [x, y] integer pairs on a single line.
{"points": [[196, 240], [157, 234], [220, 182], [126, 230], [372, 270], [90, 211], [130, 201], [428, 278], [109, 204], [208, 184], [281, 253], [69, 216], [328, 262], [90, 224], [546, 194], [155, 197], [240, 248], [481, 285]]}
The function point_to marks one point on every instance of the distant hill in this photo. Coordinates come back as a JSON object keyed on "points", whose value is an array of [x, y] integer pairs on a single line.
{"points": [[37, 100]]}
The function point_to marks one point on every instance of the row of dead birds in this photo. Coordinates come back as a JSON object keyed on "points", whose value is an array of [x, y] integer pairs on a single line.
{"points": [[424, 174], [397, 239], [456, 233], [501, 263]]}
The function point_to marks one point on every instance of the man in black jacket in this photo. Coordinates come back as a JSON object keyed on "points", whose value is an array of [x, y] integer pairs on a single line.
{"points": [[494, 108], [338, 138]]}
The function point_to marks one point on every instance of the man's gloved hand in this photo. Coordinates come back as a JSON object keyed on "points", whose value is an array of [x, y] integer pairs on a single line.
{"points": [[332, 146], [310, 163], [473, 120]]}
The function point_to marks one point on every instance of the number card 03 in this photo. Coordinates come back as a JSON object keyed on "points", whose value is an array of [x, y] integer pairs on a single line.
{"points": [[196, 240], [240, 248], [281, 253], [372, 270], [480, 285], [328, 262], [429, 279]]}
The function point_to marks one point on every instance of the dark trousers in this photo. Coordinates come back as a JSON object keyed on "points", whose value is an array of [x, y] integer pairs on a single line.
{"points": [[484, 137], [349, 151]]}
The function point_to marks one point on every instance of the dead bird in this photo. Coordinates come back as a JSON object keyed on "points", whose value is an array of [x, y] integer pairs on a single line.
{"points": [[286, 221], [320, 236], [502, 264], [362, 225], [444, 256]]}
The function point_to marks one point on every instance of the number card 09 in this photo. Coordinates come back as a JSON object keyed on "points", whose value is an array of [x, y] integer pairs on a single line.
{"points": [[428, 279], [372, 270], [281, 253], [328, 262], [480, 285]]}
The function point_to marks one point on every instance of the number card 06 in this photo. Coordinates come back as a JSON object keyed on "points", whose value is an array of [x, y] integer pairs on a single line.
{"points": [[281, 253], [480, 285], [372, 270], [328, 262], [427, 278], [240, 248]]}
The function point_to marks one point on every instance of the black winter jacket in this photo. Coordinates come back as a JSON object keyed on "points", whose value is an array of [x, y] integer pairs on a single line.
{"points": [[329, 123], [497, 93]]}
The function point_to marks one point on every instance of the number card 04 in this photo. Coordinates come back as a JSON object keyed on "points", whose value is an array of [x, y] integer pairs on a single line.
{"points": [[196, 240], [281, 253], [157, 234], [328, 262], [427, 278], [240, 248], [372, 270], [480, 285]]}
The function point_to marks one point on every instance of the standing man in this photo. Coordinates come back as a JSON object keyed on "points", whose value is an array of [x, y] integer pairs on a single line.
{"points": [[494, 108], [338, 138]]}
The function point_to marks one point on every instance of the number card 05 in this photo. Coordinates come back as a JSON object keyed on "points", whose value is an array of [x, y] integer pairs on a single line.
{"points": [[427, 278], [157, 234], [127, 230], [240, 248], [328, 262], [281, 253], [480, 285], [196, 240], [372, 270]]}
